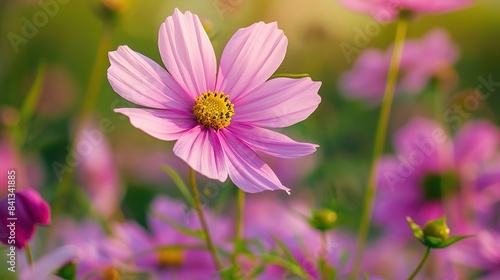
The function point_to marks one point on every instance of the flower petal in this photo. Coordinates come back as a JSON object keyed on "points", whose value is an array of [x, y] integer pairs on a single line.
{"points": [[246, 169], [142, 81], [165, 125], [476, 142], [187, 53], [271, 142], [278, 102], [200, 148], [250, 57], [47, 265]]}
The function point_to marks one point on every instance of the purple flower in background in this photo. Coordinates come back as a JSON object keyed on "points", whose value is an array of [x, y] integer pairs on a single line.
{"points": [[219, 118], [98, 254], [29, 209], [384, 10], [481, 252], [174, 262], [301, 239], [431, 176], [97, 171], [421, 61], [50, 263]]}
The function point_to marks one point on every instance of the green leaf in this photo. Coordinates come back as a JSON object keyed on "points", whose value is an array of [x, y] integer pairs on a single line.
{"points": [[67, 272], [417, 230], [288, 75], [180, 184], [290, 266], [182, 229], [452, 240], [286, 251]]}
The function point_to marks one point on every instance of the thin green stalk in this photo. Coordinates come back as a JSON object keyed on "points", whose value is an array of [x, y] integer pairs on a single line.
{"points": [[324, 261], [199, 210], [383, 122], [28, 108], [415, 272], [29, 257], [238, 233]]}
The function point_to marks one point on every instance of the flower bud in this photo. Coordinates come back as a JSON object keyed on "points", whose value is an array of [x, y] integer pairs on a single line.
{"points": [[323, 219], [437, 229], [20, 212]]}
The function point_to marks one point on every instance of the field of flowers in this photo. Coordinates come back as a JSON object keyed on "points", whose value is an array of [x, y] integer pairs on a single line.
{"points": [[250, 139]]}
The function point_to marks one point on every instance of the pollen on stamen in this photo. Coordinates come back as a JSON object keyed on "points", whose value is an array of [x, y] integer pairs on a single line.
{"points": [[213, 109]]}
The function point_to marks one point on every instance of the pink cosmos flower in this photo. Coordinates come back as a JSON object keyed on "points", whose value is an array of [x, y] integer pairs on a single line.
{"points": [[30, 210], [219, 118], [385, 10], [432, 175], [421, 61], [172, 263]]}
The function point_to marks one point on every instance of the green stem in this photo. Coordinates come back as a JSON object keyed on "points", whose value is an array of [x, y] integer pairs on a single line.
{"points": [[415, 272], [199, 210], [383, 122], [29, 257], [324, 261], [98, 70], [238, 233]]}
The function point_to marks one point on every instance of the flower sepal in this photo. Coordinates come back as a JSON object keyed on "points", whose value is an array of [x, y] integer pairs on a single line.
{"points": [[435, 233]]}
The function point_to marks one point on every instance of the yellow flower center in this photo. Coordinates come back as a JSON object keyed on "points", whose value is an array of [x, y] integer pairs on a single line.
{"points": [[213, 109], [111, 274], [170, 257]]}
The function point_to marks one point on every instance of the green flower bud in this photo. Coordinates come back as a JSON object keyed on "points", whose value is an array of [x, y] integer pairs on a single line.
{"points": [[323, 219], [437, 229]]}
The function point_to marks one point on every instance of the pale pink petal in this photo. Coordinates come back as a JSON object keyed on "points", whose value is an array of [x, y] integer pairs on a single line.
{"points": [[250, 57], [187, 53], [200, 148], [278, 102], [162, 124], [47, 265], [476, 141], [424, 143], [144, 82], [271, 142], [246, 169]]}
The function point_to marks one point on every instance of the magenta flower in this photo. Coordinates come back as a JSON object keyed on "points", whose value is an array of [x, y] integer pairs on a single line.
{"points": [[29, 210], [219, 118], [385, 10], [421, 61], [175, 262], [431, 176]]}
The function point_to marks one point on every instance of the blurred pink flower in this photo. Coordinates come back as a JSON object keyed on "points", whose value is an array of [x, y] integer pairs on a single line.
{"points": [[384, 10], [29, 209], [45, 267], [431, 176], [481, 252], [29, 169], [301, 239], [219, 118], [421, 61], [98, 254], [97, 171], [172, 263]]}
